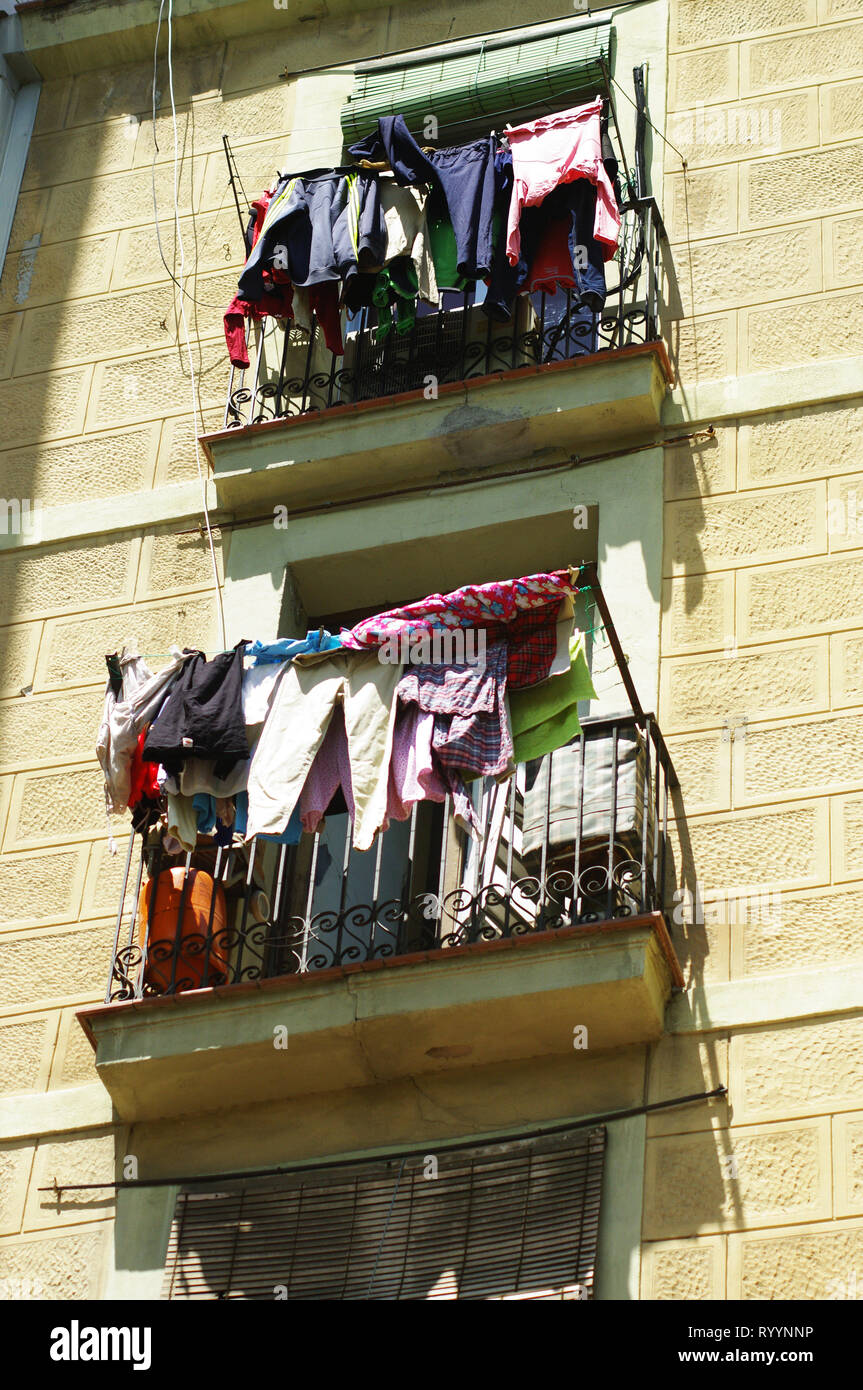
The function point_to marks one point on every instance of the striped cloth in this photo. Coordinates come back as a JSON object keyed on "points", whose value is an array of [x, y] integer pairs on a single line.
{"points": [[472, 731]]}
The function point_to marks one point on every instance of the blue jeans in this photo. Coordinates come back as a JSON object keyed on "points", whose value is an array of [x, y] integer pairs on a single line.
{"points": [[577, 201], [463, 174]]}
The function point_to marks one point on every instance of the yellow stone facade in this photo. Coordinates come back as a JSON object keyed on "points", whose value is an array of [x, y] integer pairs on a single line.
{"points": [[761, 681], [760, 610]]}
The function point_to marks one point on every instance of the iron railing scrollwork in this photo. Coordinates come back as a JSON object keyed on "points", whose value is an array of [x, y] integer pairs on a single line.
{"points": [[292, 373], [574, 839]]}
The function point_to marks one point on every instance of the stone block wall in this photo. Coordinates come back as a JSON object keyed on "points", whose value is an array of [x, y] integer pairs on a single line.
{"points": [[761, 695]]}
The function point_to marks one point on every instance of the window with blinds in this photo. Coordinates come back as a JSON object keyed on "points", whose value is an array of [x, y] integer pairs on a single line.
{"points": [[514, 1220], [502, 77]]}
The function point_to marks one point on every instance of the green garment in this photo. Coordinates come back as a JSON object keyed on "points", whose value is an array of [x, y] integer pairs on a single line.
{"points": [[443, 249], [405, 318], [545, 717], [442, 246], [396, 285]]}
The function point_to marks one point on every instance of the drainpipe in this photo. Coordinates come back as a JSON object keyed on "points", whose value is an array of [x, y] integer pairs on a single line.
{"points": [[20, 86], [640, 131]]}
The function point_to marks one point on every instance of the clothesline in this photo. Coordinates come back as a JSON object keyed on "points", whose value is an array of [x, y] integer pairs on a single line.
{"points": [[313, 176], [165, 656], [265, 748], [577, 588]]}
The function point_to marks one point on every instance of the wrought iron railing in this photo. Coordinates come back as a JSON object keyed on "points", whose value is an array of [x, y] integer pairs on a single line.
{"points": [[292, 372], [572, 839]]}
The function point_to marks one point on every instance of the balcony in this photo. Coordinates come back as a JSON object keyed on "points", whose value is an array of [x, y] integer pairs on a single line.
{"points": [[293, 374], [430, 951], [426, 888], [304, 425]]}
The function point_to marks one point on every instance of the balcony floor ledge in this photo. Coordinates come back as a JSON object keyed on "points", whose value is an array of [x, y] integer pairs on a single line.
{"points": [[355, 449], [363, 1023]]}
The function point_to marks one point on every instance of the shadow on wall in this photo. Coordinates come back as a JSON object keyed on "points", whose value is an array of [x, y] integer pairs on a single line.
{"points": [[87, 195]]}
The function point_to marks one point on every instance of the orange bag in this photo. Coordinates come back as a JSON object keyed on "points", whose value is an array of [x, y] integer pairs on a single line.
{"points": [[186, 939]]}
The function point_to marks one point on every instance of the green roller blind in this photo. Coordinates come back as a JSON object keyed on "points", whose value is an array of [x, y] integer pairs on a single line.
{"points": [[492, 82]]}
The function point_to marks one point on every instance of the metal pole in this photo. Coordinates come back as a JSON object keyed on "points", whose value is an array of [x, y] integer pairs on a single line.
{"points": [[589, 571], [230, 159]]}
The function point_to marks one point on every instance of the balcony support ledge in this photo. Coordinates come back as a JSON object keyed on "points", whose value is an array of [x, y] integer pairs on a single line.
{"points": [[354, 450], [381, 1020]]}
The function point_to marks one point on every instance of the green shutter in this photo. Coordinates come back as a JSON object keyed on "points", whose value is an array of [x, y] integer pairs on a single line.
{"points": [[494, 83]]}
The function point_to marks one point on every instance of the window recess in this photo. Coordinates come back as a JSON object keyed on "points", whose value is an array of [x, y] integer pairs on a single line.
{"points": [[497, 78], [511, 1220]]}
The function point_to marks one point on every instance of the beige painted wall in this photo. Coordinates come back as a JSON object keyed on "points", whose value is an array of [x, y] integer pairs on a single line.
{"points": [[763, 620]]}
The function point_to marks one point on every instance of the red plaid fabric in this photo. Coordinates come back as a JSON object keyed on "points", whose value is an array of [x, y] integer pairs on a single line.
{"points": [[532, 642], [471, 729]]}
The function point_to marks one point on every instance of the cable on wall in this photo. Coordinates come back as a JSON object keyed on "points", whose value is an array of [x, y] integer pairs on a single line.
{"points": [[415, 1151], [197, 413]]}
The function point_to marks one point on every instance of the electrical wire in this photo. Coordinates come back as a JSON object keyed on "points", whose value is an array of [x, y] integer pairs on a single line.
{"points": [[197, 412], [180, 286], [441, 1146], [669, 143], [201, 303]]}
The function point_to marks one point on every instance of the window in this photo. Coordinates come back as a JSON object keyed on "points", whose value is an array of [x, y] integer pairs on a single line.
{"points": [[507, 77], [510, 1220]]}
